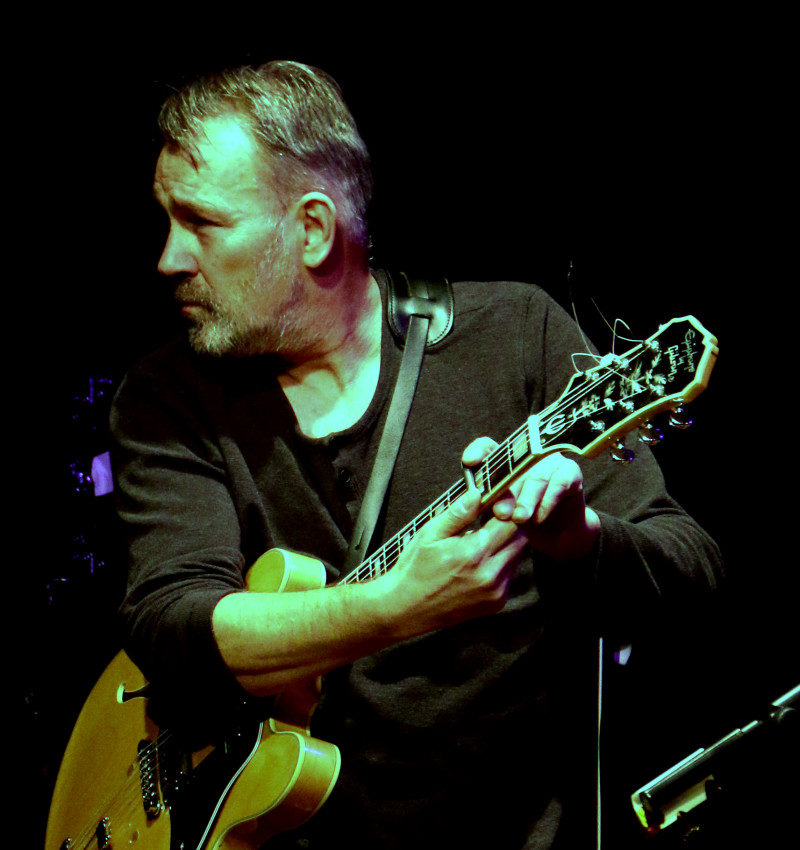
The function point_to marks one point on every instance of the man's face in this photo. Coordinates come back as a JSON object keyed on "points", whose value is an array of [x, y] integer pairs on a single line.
{"points": [[230, 255]]}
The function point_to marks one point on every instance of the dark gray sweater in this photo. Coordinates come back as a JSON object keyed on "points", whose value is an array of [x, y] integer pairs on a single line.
{"points": [[212, 471]]}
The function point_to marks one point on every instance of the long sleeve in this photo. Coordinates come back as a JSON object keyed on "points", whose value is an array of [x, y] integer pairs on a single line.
{"points": [[653, 557], [170, 470], [211, 471]]}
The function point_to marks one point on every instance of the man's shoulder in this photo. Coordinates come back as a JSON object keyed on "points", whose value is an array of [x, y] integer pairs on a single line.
{"points": [[171, 355], [170, 365], [507, 302], [477, 295]]}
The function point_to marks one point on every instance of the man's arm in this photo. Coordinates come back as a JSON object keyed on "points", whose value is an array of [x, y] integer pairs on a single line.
{"points": [[189, 541], [443, 577], [189, 618]]}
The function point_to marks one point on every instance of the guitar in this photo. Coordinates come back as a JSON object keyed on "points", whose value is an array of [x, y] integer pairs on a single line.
{"points": [[271, 776]]}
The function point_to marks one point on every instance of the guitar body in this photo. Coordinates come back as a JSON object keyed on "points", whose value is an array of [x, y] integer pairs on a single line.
{"points": [[285, 782], [281, 801], [97, 789], [124, 782]]}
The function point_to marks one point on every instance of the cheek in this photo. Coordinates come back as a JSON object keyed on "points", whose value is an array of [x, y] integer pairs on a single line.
{"points": [[229, 266], [249, 268]]}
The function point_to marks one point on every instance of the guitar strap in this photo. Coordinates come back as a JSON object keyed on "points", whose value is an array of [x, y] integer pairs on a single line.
{"points": [[420, 314]]}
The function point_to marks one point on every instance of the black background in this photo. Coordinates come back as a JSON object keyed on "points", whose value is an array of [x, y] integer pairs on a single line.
{"points": [[644, 154]]}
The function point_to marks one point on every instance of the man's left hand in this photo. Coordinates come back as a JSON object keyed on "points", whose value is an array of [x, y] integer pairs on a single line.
{"points": [[548, 503]]}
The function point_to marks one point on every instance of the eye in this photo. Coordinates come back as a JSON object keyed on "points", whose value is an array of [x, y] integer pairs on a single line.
{"points": [[195, 217], [197, 221]]}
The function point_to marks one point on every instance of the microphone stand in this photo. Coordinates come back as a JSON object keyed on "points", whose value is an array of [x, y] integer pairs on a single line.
{"points": [[720, 784]]}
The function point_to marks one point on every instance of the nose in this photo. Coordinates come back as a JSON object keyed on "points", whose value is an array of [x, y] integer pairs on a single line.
{"points": [[177, 258]]}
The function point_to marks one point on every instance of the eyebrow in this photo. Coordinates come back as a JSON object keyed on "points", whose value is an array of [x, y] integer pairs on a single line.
{"points": [[192, 207]]}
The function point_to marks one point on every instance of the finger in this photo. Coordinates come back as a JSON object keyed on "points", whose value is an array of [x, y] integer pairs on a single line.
{"points": [[529, 497], [478, 450], [515, 550], [510, 548], [540, 490], [503, 508], [524, 495], [494, 538], [501, 565], [462, 513], [565, 482]]}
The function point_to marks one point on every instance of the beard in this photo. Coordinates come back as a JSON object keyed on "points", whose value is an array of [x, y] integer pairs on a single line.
{"points": [[245, 319], [234, 326]]}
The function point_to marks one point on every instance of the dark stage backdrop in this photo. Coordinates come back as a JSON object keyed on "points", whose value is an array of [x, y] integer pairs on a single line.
{"points": [[647, 166]]}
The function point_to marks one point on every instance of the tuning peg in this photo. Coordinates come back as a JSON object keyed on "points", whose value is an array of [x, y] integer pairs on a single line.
{"points": [[650, 435], [679, 418], [621, 453]]}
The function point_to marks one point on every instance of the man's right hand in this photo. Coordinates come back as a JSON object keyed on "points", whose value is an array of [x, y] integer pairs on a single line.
{"points": [[448, 574]]}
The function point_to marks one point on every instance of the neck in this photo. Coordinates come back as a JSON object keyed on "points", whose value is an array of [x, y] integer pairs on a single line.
{"points": [[347, 323], [331, 386]]}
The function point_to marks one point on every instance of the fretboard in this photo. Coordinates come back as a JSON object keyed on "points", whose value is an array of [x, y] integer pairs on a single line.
{"points": [[492, 478], [495, 474]]}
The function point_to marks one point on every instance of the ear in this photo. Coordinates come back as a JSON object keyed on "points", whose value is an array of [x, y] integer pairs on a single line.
{"points": [[317, 214]]}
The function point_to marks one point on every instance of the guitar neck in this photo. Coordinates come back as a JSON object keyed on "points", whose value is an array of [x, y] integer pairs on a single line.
{"points": [[596, 409], [492, 478]]}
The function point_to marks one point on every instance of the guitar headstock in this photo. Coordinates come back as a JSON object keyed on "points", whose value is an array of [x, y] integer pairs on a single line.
{"points": [[625, 391]]}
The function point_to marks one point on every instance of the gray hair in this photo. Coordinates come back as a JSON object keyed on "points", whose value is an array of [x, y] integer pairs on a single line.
{"points": [[299, 118]]}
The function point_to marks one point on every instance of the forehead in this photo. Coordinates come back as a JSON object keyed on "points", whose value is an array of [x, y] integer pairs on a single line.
{"points": [[226, 165]]}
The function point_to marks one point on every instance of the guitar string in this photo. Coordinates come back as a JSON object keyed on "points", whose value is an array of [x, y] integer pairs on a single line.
{"points": [[496, 460], [146, 764], [115, 809], [498, 457], [125, 803], [393, 547]]}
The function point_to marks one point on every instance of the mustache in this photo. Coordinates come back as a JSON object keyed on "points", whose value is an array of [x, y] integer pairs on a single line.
{"points": [[192, 291]]}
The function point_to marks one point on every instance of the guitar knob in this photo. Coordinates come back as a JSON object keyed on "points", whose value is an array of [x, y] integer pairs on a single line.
{"points": [[650, 435], [679, 418], [621, 453]]}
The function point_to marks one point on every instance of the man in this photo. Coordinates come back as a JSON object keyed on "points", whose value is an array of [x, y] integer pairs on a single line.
{"points": [[445, 671]]}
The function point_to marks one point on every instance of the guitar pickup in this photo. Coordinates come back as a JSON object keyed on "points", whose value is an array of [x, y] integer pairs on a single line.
{"points": [[148, 778], [103, 835]]}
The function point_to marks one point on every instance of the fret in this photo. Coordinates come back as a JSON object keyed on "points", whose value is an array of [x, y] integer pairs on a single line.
{"points": [[500, 470], [519, 448]]}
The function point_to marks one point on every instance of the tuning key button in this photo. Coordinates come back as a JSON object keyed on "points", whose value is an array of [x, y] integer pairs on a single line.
{"points": [[680, 418], [650, 435], [621, 453]]}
